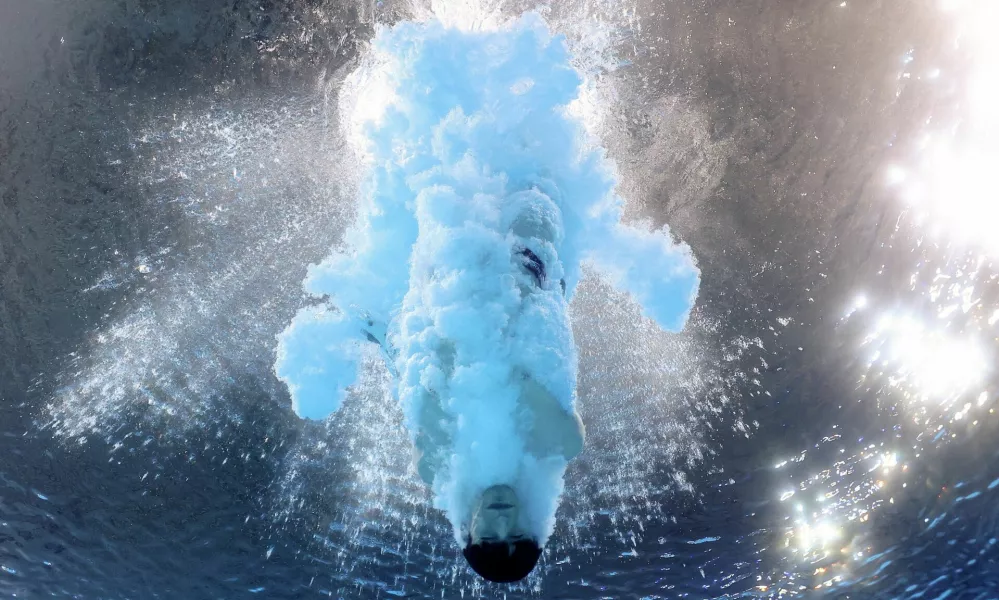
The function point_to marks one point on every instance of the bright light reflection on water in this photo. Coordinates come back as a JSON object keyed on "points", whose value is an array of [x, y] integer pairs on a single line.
{"points": [[924, 362], [927, 362], [950, 183]]}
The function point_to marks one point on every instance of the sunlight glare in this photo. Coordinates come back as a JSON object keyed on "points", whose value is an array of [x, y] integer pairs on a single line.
{"points": [[927, 364], [954, 186]]}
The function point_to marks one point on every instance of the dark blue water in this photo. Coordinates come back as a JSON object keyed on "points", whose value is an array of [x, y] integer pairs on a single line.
{"points": [[824, 427]]}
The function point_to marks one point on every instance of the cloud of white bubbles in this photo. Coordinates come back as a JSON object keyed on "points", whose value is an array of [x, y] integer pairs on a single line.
{"points": [[473, 157]]}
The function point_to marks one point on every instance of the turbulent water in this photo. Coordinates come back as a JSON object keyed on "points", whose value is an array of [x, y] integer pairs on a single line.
{"points": [[822, 426], [476, 164]]}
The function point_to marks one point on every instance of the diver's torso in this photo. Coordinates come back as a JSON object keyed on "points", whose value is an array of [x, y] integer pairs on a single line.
{"points": [[546, 422]]}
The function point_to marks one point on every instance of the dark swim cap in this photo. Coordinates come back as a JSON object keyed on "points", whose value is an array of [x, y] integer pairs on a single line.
{"points": [[495, 561]]}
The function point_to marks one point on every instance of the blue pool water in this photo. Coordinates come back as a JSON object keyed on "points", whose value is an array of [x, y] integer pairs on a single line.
{"points": [[822, 424]]}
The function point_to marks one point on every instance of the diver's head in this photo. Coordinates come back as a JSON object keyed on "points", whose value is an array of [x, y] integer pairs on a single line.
{"points": [[496, 547]]}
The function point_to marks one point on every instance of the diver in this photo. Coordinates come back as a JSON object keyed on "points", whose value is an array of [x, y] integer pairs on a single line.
{"points": [[484, 201], [499, 543]]}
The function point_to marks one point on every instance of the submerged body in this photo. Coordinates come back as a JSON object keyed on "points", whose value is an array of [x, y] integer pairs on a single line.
{"points": [[483, 200], [547, 428], [480, 376]]}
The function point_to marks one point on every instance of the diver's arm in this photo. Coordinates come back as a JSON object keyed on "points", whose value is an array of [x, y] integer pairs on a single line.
{"points": [[318, 356], [574, 436], [657, 273], [555, 429]]}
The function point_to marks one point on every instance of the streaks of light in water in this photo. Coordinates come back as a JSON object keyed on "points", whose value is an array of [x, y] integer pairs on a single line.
{"points": [[927, 363], [830, 513], [831, 537]]}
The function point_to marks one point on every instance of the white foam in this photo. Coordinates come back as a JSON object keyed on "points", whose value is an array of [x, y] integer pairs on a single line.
{"points": [[461, 155]]}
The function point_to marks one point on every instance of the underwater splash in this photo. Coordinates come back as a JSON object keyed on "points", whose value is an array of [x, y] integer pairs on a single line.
{"points": [[244, 194], [474, 158]]}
